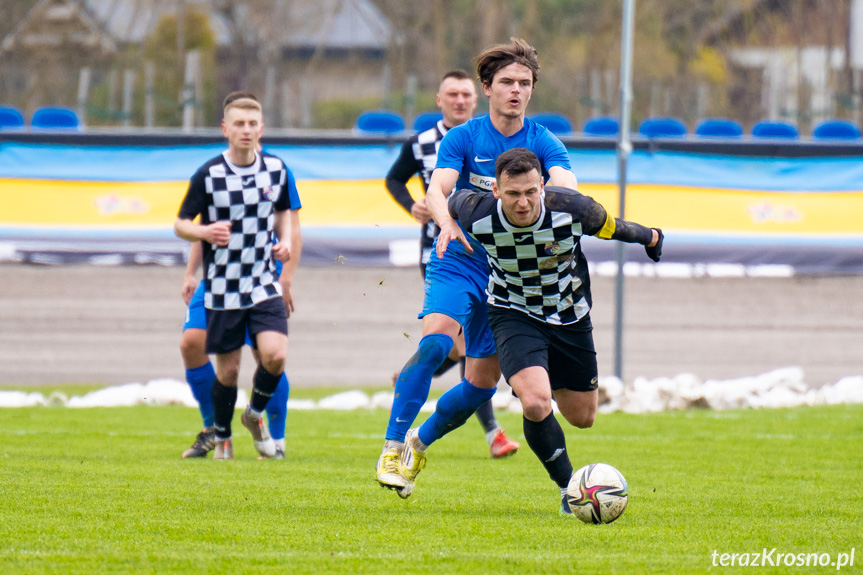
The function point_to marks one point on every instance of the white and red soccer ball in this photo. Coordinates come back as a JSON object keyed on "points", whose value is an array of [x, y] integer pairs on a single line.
{"points": [[597, 493]]}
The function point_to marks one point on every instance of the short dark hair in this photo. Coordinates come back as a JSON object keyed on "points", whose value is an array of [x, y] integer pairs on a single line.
{"points": [[238, 95], [516, 162], [518, 51], [456, 74]]}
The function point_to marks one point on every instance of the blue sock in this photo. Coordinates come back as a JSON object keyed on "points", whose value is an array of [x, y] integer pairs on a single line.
{"points": [[412, 386], [201, 381], [453, 409], [277, 409]]}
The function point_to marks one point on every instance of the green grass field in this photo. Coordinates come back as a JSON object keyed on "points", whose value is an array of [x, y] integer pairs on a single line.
{"points": [[104, 491]]}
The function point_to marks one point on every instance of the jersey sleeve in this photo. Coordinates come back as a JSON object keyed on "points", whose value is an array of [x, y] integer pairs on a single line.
{"points": [[595, 220], [453, 149], [283, 202], [293, 194], [469, 206], [195, 201], [400, 174], [553, 152]]}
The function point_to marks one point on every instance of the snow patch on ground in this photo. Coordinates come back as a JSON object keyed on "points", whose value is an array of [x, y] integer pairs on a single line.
{"points": [[781, 388]]}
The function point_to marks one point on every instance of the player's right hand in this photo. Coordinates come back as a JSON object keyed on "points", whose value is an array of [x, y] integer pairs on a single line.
{"points": [[190, 284], [218, 233], [451, 231]]}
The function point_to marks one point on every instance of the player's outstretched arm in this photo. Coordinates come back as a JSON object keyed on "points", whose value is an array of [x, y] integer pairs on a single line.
{"points": [[442, 182], [598, 222], [633, 233]]}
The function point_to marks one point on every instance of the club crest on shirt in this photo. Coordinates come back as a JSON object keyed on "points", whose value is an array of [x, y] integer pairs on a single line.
{"points": [[270, 194], [553, 248]]}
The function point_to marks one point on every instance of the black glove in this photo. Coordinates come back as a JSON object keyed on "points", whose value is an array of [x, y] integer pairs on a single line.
{"points": [[656, 251]]}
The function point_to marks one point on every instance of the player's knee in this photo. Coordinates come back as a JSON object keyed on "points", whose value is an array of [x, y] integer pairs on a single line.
{"points": [[582, 419], [484, 376], [273, 358], [228, 375], [193, 349], [274, 361], [536, 407], [485, 380]]}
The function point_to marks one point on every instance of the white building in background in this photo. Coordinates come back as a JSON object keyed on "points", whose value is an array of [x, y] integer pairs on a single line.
{"points": [[292, 53], [786, 70]]}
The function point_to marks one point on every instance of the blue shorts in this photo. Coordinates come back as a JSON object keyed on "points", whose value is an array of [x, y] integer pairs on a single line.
{"points": [[456, 287], [196, 314]]}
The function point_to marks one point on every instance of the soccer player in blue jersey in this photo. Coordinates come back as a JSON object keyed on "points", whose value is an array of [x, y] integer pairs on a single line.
{"points": [[242, 200], [539, 299], [456, 99], [455, 285], [200, 374]]}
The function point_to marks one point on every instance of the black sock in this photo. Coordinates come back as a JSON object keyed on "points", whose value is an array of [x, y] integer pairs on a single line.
{"points": [[547, 441], [485, 414], [444, 367], [224, 402], [263, 385]]}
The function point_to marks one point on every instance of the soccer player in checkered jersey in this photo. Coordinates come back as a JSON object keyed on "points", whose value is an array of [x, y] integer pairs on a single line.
{"points": [[455, 284], [200, 374], [242, 200], [456, 98], [539, 295]]}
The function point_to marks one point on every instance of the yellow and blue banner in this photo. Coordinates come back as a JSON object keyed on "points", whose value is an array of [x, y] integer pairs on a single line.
{"points": [[68, 190]]}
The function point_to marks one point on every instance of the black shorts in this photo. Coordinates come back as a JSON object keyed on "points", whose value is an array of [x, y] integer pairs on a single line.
{"points": [[226, 329], [565, 351]]}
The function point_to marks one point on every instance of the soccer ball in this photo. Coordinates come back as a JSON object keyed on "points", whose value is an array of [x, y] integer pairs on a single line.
{"points": [[597, 493]]}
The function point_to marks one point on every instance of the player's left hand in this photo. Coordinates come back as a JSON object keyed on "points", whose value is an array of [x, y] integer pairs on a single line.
{"points": [[282, 252], [655, 251]]}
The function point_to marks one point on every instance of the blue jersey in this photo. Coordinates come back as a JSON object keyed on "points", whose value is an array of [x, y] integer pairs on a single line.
{"points": [[473, 147]]}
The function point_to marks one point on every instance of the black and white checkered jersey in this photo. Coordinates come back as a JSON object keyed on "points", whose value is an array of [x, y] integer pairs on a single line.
{"points": [[540, 269], [242, 273], [418, 156]]}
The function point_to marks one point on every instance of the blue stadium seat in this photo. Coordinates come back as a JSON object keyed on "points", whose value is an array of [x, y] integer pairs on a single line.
{"points": [[555, 123], [50, 119], [11, 118], [601, 126], [719, 128], [836, 130], [379, 122], [662, 127], [773, 129], [426, 120]]}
